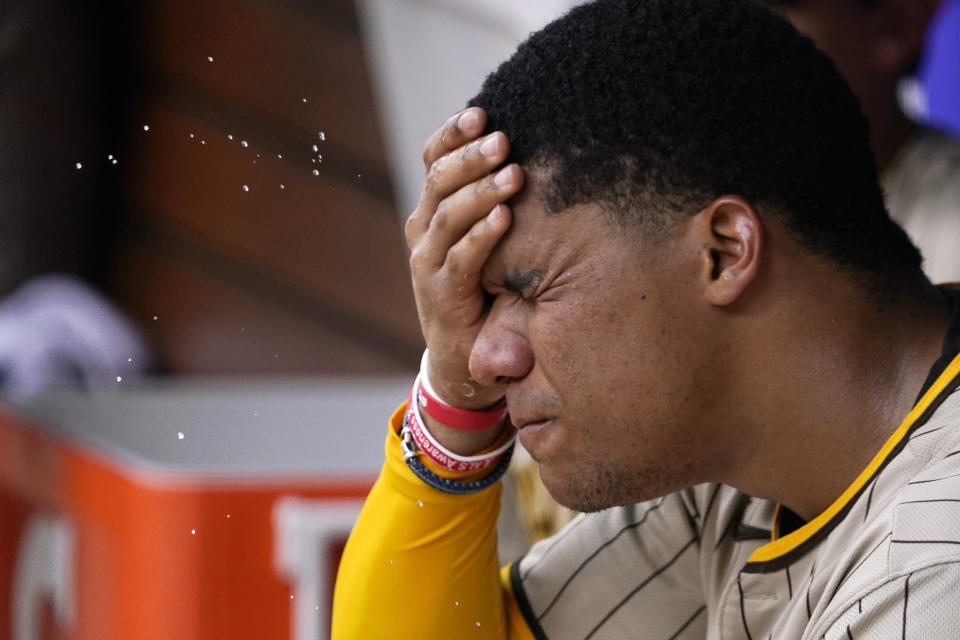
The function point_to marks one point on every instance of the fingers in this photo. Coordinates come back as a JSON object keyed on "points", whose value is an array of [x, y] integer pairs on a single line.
{"points": [[451, 173], [462, 209], [463, 165], [469, 254], [455, 132], [462, 202]]}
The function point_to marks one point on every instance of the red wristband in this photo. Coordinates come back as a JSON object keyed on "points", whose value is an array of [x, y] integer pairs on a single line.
{"points": [[457, 418]]}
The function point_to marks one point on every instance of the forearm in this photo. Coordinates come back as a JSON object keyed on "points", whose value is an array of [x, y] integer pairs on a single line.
{"points": [[420, 563]]}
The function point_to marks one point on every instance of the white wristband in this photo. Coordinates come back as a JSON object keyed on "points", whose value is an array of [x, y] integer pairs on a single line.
{"points": [[424, 378]]}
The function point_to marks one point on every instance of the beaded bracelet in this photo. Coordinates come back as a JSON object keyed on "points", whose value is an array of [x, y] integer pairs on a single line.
{"points": [[410, 452]]}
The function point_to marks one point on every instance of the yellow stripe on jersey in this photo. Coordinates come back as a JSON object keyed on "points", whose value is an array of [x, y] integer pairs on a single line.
{"points": [[788, 543]]}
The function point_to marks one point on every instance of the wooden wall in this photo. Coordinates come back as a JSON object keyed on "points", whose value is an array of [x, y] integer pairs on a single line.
{"points": [[300, 274]]}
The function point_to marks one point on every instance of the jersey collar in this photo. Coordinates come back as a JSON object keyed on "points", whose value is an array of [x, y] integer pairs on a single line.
{"points": [[782, 551]]}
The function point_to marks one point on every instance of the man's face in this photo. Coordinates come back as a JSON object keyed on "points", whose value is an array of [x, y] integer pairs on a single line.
{"points": [[599, 342]]}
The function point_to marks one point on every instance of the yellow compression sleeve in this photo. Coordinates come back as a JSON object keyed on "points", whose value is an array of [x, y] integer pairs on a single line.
{"points": [[421, 563]]}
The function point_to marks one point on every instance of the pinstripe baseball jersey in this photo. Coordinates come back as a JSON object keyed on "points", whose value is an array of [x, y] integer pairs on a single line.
{"points": [[710, 562]]}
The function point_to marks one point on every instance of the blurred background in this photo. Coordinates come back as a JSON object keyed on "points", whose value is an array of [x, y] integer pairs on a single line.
{"points": [[205, 309]]}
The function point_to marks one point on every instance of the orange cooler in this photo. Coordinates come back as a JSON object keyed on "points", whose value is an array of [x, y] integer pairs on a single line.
{"points": [[184, 510]]}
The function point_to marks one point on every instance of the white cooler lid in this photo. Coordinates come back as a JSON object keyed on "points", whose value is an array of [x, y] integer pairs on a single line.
{"points": [[280, 428]]}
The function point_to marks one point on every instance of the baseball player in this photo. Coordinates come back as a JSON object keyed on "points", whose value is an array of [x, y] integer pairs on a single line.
{"points": [[654, 248]]}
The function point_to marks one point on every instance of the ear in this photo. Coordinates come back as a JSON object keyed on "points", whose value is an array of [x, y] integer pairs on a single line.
{"points": [[731, 239], [900, 28]]}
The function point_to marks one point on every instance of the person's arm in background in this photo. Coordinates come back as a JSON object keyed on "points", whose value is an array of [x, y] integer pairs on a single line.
{"points": [[421, 563]]}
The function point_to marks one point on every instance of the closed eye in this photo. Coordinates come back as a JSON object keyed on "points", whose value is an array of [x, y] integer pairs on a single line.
{"points": [[523, 280]]}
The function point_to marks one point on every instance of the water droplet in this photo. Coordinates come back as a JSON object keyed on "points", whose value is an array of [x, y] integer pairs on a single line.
{"points": [[319, 158], [246, 188], [258, 155], [420, 503], [323, 137], [79, 165], [154, 317], [192, 136], [243, 143], [359, 175], [391, 561], [256, 413], [456, 603], [229, 136], [114, 161], [203, 142], [228, 515], [129, 359], [193, 532], [313, 160], [304, 100], [209, 58], [291, 596], [478, 624], [146, 127], [179, 435], [110, 156], [279, 156], [316, 148], [282, 187], [316, 608], [119, 378], [316, 172]]}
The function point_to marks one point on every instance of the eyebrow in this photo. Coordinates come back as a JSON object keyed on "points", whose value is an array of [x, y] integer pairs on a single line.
{"points": [[520, 281]]}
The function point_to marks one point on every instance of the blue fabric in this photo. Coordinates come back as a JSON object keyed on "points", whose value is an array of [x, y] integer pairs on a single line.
{"points": [[939, 71]]}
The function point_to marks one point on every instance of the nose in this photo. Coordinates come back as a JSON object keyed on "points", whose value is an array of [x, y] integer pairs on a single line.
{"points": [[501, 351]]}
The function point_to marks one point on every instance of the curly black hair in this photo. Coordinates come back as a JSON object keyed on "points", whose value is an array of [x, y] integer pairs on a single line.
{"points": [[653, 108]]}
